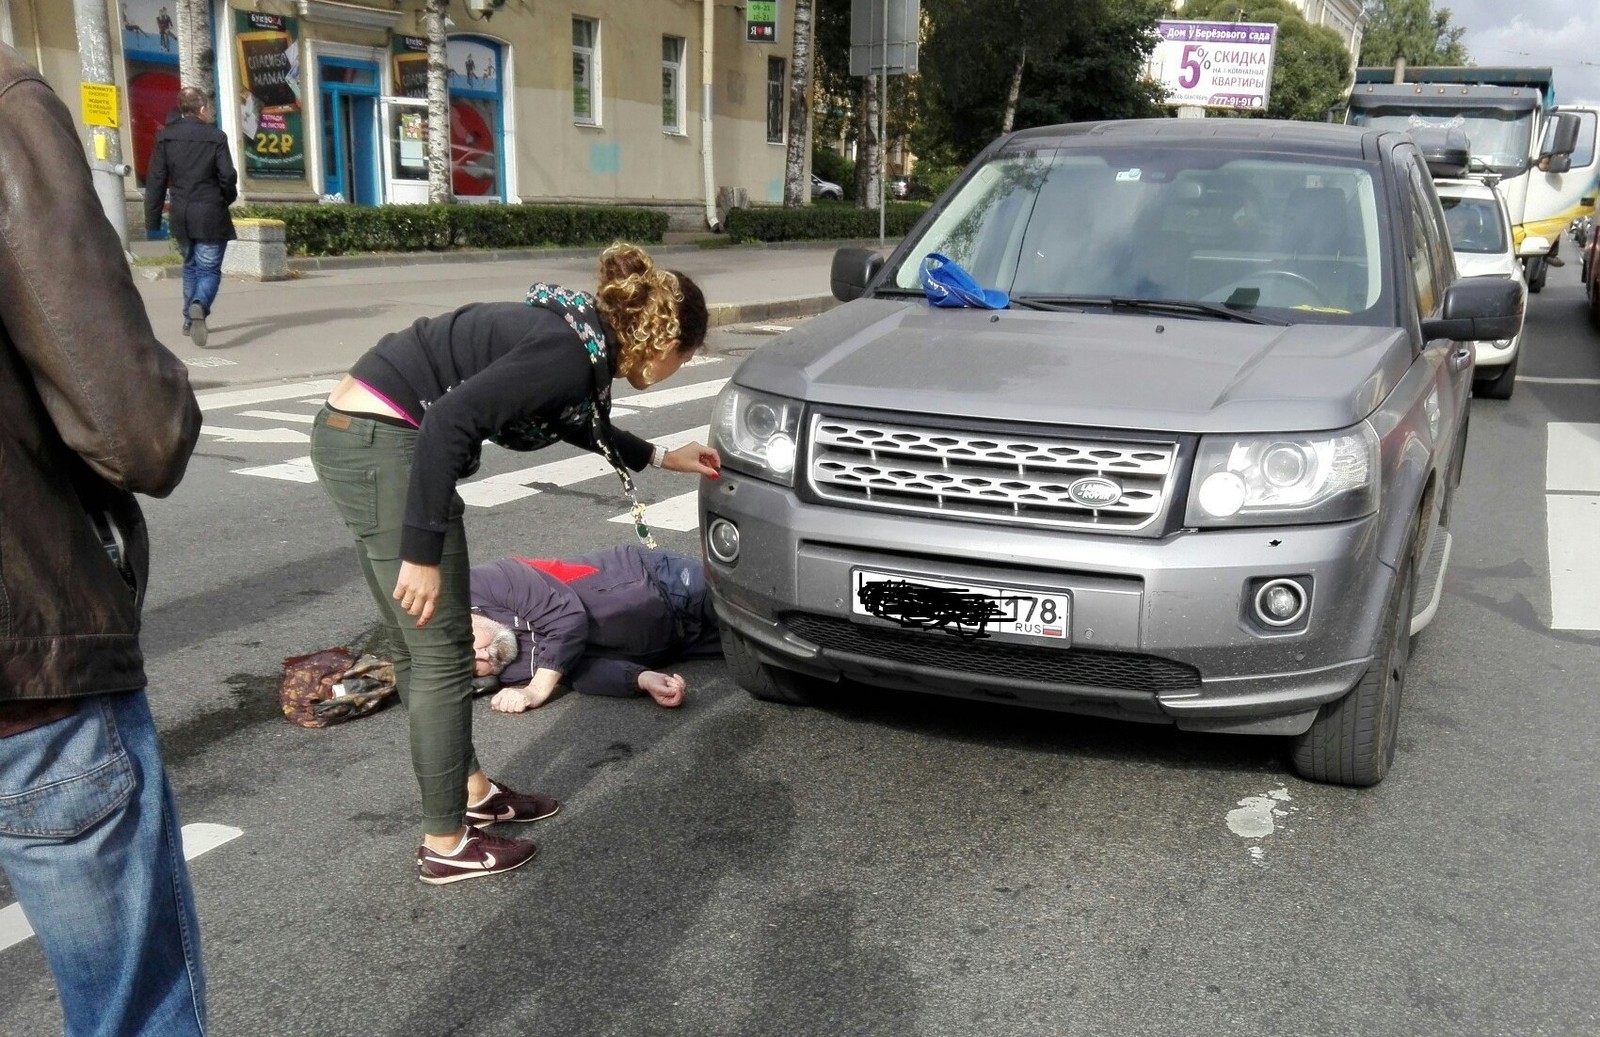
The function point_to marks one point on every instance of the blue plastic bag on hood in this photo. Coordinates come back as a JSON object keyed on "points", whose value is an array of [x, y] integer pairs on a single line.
{"points": [[945, 283]]}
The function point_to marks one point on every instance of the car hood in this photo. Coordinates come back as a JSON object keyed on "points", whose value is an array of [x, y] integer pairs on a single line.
{"points": [[1128, 371], [1475, 264]]}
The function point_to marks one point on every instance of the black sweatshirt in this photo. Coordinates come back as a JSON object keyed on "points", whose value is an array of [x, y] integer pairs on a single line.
{"points": [[463, 377]]}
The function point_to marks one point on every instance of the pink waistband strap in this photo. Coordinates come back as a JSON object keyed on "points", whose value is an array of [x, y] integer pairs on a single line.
{"points": [[399, 411]]}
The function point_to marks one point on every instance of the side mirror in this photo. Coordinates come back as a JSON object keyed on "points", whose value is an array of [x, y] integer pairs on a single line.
{"points": [[853, 269], [1478, 309], [1560, 139], [1534, 246]]}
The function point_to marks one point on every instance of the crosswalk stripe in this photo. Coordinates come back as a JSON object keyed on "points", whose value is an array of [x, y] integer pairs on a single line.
{"points": [[510, 486], [225, 398], [279, 415], [198, 838], [677, 394], [1572, 457], [681, 513], [296, 469], [1572, 508]]}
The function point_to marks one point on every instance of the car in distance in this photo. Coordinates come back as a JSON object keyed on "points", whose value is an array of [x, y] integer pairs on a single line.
{"points": [[821, 188], [1198, 471], [1591, 276], [1480, 236]]}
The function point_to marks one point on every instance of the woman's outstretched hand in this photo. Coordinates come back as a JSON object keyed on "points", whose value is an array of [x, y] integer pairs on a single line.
{"points": [[694, 457], [417, 590]]}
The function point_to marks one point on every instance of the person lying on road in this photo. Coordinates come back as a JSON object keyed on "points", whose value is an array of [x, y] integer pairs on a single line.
{"points": [[601, 621]]}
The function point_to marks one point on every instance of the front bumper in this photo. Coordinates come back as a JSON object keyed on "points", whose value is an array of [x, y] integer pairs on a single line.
{"points": [[1160, 630]]}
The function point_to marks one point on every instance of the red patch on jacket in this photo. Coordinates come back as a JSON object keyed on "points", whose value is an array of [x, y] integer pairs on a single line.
{"points": [[566, 572]]}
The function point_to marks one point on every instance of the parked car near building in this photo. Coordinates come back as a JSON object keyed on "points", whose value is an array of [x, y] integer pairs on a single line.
{"points": [[1480, 236], [1197, 472], [821, 188]]}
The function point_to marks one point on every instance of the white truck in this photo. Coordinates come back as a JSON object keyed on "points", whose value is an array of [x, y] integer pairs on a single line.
{"points": [[1544, 154]]}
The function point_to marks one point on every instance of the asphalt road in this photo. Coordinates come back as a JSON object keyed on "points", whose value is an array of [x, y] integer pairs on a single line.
{"points": [[886, 864]]}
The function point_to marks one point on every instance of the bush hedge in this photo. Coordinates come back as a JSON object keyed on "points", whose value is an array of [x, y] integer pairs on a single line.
{"points": [[337, 230], [821, 222]]}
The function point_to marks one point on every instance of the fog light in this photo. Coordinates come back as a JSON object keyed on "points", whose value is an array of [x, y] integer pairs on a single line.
{"points": [[1280, 603], [722, 540]]}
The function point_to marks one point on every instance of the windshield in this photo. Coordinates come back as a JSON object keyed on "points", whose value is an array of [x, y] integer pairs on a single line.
{"points": [[1297, 238], [1500, 139], [1474, 225]]}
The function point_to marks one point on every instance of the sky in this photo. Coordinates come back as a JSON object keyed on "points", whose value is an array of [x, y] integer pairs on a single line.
{"points": [[1563, 34]]}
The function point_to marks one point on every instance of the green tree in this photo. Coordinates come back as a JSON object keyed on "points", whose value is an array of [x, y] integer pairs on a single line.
{"points": [[993, 65], [1311, 65], [1413, 30]]}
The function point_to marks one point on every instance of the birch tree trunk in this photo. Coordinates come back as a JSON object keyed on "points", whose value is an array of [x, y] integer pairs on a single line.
{"points": [[796, 186], [196, 59], [1016, 91], [439, 191], [867, 144]]}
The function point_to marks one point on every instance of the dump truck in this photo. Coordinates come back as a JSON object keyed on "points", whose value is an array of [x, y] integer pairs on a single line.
{"points": [[1543, 153]]}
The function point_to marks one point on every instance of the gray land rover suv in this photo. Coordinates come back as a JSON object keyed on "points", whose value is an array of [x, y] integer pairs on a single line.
{"points": [[1197, 472]]}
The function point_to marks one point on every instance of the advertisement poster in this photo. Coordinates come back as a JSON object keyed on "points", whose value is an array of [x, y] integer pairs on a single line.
{"points": [[1215, 64], [271, 120], [761, 21], [410, 66]]}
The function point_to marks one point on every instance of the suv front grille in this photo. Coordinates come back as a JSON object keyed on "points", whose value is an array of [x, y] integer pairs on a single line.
{"points": [[1009, 478], [1125, 671]]}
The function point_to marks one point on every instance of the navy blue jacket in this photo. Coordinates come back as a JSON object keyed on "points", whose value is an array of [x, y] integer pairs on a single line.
{"points": [[600, 619]]}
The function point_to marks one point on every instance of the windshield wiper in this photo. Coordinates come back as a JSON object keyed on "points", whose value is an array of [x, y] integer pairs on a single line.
{"points": [[1078, 303]]}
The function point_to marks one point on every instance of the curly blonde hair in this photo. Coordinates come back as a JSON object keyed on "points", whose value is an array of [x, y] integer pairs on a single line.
{"points": [[649, 308]]}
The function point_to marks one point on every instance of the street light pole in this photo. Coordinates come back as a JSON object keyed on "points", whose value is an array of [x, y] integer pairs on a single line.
{"points": [[883, 133], [105, 145]]}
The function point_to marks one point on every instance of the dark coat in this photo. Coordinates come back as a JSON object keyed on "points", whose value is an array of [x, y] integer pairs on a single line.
{"points": [[599, 619], [191, 160], [92, 409]]}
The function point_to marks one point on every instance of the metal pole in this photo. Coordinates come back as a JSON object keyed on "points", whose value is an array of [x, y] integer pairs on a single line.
{"points": [[883, 134], [105, 161]]}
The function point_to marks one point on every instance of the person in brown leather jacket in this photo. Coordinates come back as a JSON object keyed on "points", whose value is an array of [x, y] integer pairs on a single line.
{"points": [[93, 409]]}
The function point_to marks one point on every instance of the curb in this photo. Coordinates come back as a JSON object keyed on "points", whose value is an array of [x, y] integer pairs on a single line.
{"points": [[306, 264]]}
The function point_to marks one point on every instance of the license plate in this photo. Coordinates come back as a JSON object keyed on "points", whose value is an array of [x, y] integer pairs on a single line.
{"points": [[965, 609]]}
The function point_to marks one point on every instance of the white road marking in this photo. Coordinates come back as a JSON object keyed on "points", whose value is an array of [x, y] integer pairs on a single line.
{"points": [[226, 398], [279, 415], [1572, 506], [676, 395], [510, 486], [1557, 381], [681, 513], [1574, 560], [1572, 458], [198, 838], [296, 469], [254, 435]]}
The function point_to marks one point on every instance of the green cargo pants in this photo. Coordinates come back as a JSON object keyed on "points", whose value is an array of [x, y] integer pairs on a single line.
{"points": [[365, 467]]}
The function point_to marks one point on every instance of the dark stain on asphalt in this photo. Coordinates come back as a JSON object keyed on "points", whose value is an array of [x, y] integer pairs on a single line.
{"points": [[616, 752], [1515, 569], [252, 700]]}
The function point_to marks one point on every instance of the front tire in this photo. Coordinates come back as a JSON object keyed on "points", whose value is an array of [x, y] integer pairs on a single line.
{"points": [[1537, 271], [768, 683], [1352, 740]]}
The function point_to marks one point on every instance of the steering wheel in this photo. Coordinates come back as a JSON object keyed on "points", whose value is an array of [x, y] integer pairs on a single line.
{"points": [[1298, 280]]}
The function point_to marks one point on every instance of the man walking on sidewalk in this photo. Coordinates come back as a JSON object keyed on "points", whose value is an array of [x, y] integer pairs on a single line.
{"points": [[191, 160], [93, 409]]}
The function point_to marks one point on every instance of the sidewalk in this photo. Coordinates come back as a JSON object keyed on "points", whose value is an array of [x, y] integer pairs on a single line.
{"points": [[317, 323]]}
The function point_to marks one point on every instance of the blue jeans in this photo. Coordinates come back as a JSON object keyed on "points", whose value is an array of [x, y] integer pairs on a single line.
{"points": [[202, 273], [89, 838]]}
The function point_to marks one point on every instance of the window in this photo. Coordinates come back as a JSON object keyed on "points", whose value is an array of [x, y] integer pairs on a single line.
{"points": [[672, 83], [774, 100], [585, 71], [1427, 271]]}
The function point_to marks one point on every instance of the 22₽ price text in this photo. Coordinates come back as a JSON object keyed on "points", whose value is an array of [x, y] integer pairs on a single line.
{"points": [[275, 143]]}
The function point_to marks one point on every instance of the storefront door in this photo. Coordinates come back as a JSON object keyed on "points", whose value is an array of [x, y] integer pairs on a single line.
{"points": [[405, 153], [350, 161]]}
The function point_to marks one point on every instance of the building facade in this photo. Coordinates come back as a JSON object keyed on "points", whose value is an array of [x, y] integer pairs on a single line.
{"points": [[581, 101]]}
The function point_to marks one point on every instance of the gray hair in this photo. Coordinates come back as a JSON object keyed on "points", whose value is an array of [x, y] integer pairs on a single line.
{"points": [[502, 646]]}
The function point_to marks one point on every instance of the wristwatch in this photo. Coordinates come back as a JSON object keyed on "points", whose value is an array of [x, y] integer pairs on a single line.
{"points": [[657, 455]]}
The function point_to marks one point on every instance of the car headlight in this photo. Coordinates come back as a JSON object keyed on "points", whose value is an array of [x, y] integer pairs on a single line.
{"points": [[757, 433], [1284, 479]]}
